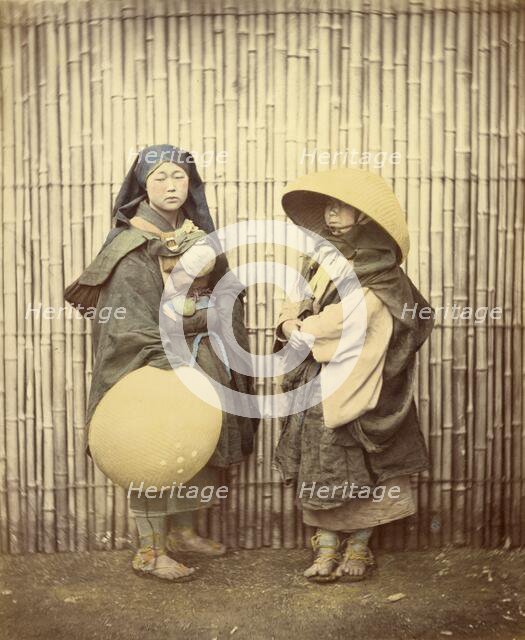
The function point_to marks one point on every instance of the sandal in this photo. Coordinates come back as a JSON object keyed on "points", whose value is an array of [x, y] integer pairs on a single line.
{"points": [[152, 562], [323, 560], [353, 554]]}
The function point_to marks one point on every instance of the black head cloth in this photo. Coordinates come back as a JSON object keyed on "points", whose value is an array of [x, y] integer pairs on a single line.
{"points": [[133, 189]]}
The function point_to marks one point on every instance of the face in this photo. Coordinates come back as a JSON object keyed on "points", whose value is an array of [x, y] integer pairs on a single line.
{"points": [[340, 217], [167, 187]]}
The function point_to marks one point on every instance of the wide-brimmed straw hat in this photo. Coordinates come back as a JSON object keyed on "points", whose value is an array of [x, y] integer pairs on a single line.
{"points": [[150, 428], [305, 200]]}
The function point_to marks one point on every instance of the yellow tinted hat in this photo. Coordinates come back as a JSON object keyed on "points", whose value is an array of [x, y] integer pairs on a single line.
{"points": [[305, 200], [150, 427]]}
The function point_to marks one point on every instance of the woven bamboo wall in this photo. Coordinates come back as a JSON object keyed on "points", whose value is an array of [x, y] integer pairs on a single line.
{"points": [[83, 83]]}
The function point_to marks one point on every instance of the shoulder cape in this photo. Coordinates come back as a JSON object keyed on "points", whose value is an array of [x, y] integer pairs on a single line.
{"points": [[83, 293]]}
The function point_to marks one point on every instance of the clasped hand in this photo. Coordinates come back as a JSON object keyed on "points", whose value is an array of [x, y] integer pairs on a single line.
{"points": [[297, 339]]}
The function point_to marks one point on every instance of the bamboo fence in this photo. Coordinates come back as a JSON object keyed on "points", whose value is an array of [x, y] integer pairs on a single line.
{"points": [[85, 84]]}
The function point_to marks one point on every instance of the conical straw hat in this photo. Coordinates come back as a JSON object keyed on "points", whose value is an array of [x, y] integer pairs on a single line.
{"points": [[149, 427], [305, 200]]}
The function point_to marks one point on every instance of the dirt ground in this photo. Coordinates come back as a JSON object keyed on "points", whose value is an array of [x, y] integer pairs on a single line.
{"points": [[262, 594]]}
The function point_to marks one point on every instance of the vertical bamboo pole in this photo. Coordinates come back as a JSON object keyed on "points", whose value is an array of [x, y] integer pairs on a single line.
{"points": [[336, 54], [287, 510], [141, 72], [473, 127], [494, 416], [279, 256], [259, 25], [254, 312], [48, 527], [436, 249], [159, 74], [343, 140], [56, 287], [355, 97], [519, 310], [323, 80], [365, 54], [4, 524], [483, 428], [102, 491], [13, 485], [448, 287], [414, 526], [514, 285], [63, 106], [504, 273], [30, 178], [410, 68], [19, 65], [461, 230], [374, 75], [424, 205], [257, 112]]}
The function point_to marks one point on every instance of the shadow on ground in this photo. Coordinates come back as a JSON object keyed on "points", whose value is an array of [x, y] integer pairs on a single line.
{"points": [[262, 594]]}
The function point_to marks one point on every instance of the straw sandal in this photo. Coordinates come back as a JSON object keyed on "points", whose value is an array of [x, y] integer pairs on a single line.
{"points": [[325, 561], [152, 562], [364, 556]]}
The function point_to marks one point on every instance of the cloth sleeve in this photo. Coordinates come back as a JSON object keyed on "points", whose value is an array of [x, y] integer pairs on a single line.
{"points": [[356, 368]]}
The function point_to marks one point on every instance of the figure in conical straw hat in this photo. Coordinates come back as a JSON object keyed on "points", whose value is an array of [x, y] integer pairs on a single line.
{"points": [[145, 424], [360, 443]]}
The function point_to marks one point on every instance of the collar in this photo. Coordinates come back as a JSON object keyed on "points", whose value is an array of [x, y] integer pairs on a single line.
{"points": [[145, 212]]}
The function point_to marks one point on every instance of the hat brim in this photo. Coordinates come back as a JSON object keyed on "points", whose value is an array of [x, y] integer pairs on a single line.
{"points": [[305, 201]]}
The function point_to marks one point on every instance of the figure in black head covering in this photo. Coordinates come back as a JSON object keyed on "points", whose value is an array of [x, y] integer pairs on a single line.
{"points": [[148, 239]]}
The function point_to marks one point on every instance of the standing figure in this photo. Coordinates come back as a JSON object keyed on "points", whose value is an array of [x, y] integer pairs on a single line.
{"points": [[363, 439], [160, 214]]}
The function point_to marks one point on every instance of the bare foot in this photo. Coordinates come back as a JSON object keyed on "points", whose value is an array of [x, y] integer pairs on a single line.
{"points": [[355, 562], [324, 545], [157, 563], [186, 540], [322, 566]]}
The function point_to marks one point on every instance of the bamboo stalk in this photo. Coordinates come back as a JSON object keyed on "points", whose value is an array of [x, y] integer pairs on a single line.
{"points": [[63, 107], [37, 52], [519, 309], [483, 428], [13, 485], [335, 79], [461, 229], [410, 66], [56, 288], [374, 77], [514, 284], [48, 498], [355, 97], [505, 276], [494, 380], [473, 127], [30, 177], [20, 280], [323, 80], [4, 523], [437, 248]]}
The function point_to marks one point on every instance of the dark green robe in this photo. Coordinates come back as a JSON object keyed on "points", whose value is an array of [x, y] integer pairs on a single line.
{"points": [[126, 273], [385, 442]]}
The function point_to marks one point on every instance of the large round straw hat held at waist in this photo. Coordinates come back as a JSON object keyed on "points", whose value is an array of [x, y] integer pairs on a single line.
{"points": [[305, 200], [150, 428]]}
